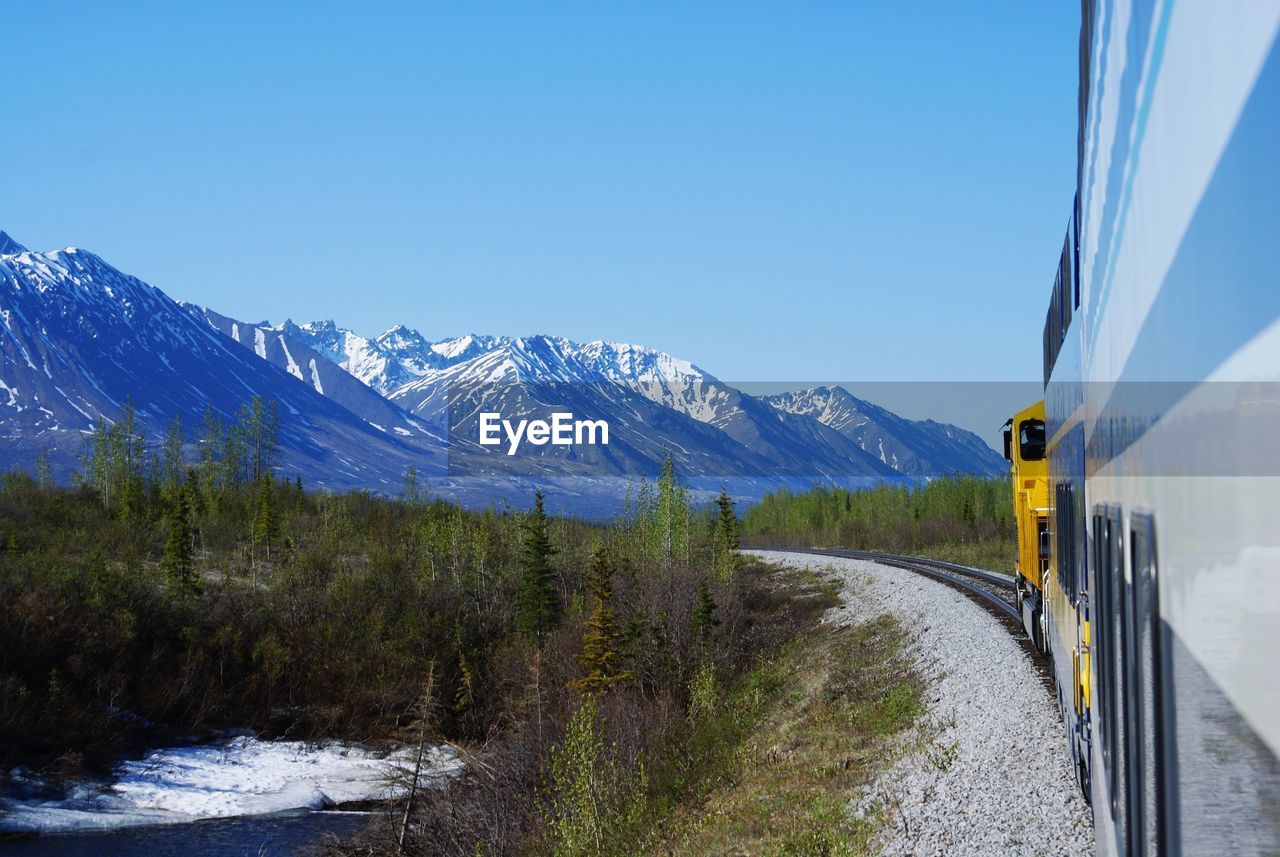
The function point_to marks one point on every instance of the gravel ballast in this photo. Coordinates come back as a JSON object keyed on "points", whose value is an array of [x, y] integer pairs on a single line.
{"points": [[987, 770]]}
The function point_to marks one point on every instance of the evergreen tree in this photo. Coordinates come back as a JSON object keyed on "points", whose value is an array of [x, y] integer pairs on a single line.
{"points": [[704, 618], [537, 604], [179, 553], [266, 527], [600, 658], [725, 543], [195, 496]]}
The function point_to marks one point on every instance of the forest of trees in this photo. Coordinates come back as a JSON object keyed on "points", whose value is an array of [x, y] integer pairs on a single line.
{"points": [[181, 587], [963, 518]]}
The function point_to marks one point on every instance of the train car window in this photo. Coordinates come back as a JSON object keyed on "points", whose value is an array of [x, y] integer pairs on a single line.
{"points": [[1075, 250], [1147, 802], [1064, 513], [1031, 440], [1064, 285], [1073, 568], [1060, 531], [1063, 299], [1052, 333], [1059, 328]]}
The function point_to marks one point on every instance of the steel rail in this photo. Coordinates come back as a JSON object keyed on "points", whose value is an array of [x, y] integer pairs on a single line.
{"points": [[935, 569], [995, 579]]}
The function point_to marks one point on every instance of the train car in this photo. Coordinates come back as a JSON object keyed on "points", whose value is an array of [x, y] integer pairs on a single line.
{"points": [[1024, 449], [1162, 404]]}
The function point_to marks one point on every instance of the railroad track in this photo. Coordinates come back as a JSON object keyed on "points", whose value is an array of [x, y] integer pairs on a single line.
{"points": [[989, 588]]}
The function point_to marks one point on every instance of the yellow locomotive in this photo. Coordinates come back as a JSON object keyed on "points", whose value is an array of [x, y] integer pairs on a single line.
{"points": [[1024, 448]]}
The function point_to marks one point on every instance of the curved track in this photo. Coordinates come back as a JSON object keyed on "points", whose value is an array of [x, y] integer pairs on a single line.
{"points": [[983, 585]]}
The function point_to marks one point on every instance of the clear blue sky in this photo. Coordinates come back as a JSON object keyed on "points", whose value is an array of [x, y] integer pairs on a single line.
{"points": [[784, 191]]}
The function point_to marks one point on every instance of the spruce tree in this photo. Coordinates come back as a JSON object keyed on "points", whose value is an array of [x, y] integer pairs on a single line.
{"points": [[600, 658], [537, 605], [704, 618], [179, 553], [266, 527], [726, 543], [195, 495]]}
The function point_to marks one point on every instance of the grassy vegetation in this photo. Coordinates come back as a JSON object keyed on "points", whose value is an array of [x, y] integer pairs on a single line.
{"points": [[995, 554], [624, 762], [613, 688], [580, 667], [763, 757], [824, 714], [961, 519]]}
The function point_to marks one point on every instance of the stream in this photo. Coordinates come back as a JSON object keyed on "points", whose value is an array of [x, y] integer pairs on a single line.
{"points": [[234, 796]]}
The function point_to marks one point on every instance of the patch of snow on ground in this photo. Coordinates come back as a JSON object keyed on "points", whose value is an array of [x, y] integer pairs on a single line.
{"points": [[237, 777]]}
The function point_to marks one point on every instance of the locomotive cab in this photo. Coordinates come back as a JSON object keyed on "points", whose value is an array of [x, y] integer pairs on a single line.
{"points": [[1024, 449]]}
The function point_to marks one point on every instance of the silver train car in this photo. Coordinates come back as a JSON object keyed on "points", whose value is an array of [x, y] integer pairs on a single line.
{"points": [[1162, 397]]}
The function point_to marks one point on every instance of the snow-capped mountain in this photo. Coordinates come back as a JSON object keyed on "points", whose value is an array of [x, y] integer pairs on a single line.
{"points": [[282, 346], [652, 401], [399, 356], [82, 338], [382, 365], [912, 447]]}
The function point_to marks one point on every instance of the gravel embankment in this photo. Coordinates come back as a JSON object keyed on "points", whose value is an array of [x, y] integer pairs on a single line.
{"points": [[988, 771]]}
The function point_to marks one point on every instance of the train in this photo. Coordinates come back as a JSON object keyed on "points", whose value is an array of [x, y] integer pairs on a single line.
{"points": [[1146, 484]]}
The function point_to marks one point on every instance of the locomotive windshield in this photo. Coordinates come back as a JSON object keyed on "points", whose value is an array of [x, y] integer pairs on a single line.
{"points": [[1031, 440]]}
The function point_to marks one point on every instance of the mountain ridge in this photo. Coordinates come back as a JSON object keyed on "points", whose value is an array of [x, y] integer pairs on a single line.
{"points": [[83, 338], [912, 447]]}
